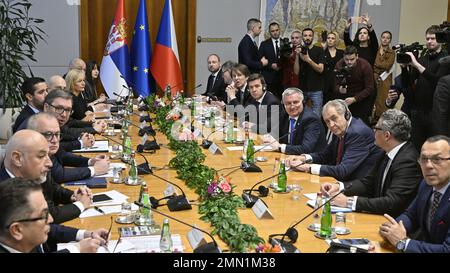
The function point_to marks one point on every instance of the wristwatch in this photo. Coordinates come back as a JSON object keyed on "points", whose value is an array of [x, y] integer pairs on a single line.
{"points": [[401, 245]]}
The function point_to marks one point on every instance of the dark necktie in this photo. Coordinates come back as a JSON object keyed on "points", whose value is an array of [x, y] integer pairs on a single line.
{"points": [[340, 151], [292, 128], [436, 199], [277, 49], [381, 170], [210, 83]]}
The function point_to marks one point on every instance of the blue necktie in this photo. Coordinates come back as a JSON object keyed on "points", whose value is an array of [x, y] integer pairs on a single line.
{"points": [[292, 127]]}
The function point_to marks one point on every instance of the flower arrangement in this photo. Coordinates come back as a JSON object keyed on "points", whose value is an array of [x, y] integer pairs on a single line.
{"points": [[268, 248], [220, 186]]}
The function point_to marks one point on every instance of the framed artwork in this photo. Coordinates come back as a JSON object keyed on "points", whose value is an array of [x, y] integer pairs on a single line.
{"points": [[320, 15]]}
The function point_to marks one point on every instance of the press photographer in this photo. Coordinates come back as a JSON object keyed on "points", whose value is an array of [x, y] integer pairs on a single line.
{"points": [[288, 59], [402, 49], [420, 77], [355, 83]]}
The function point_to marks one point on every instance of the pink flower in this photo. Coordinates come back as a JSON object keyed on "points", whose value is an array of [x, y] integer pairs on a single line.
{"points": [[226, 188]]}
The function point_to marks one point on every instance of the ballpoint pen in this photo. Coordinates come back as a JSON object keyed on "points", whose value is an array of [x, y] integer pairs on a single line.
{"points": [[99, 210]]}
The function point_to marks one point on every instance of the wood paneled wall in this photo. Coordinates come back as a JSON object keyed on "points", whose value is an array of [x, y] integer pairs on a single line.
{"points": [[95, 22]]}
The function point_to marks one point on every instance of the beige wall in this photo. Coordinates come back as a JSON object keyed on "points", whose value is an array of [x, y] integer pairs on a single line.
{"points": [[417, 15]]}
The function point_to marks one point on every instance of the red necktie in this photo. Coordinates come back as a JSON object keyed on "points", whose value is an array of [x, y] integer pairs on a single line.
{"points": [[340, 151]]}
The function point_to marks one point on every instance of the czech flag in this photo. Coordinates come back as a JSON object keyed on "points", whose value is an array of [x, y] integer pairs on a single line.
{"points": [[165, 65], [141, 54], [115, 68]]}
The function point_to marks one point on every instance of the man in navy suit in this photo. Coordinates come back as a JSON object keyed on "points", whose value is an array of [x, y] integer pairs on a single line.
{"points": [[352, 152], [216, 86], [248, 50], [270, 49], [26, 223], [34, 90], [263, 108], [429, 213], [392, 184], [23, 160], [301, 130]]}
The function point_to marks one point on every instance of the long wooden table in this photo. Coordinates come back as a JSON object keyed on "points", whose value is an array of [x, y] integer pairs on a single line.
{"points": [[285, 210]]}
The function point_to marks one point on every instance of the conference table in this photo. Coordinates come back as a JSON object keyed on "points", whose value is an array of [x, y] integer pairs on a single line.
{"points": [[284, 209]]}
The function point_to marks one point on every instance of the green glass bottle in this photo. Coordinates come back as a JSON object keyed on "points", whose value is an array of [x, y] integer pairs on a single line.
{"points": [[126, 149], [229, 136], [166, 243], [326, 220], [250, 151], [141, 191], [133, 171], [282, 177], [146, 214]]}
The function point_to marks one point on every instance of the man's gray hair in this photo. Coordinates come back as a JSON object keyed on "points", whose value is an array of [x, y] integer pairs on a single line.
{"points": [[397, 123], [33, 121], [340, 106], [290, 91]]}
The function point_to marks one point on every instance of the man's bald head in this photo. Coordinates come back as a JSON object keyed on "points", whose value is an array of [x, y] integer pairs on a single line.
{"points": [[56, 82], [27, 155], [77, 63]]}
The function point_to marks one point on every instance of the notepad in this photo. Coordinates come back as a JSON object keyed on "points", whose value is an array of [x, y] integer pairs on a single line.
{"points": [[99, 146], [93, 182]]}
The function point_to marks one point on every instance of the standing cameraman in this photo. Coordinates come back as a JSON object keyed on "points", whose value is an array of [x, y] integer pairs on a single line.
{"points": [[310, 68], [288, 60], [420, 78], [355, 83]]}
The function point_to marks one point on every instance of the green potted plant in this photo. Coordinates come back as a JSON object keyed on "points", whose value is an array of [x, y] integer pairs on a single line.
{"points": [[19, 36]]}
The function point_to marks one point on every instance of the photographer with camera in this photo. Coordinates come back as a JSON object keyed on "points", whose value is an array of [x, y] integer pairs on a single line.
{"points": [[289, 58], [271, 50], [331, 56], [310, 68], [355, 84], [420, 77]]}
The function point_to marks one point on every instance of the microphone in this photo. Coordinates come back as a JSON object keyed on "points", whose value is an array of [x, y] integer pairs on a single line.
{"points": [[250, 200], [206, 248], [292, 233], [175, 202], [251, 167], [142, 131], [397, 47], [148, 146], [143, 168], [207, 143]]}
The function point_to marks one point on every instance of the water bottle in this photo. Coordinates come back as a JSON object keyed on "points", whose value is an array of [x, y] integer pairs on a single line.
{"points": [[165, 243], [246, 141], [316, 216], [326, 220], [133, 171], [229, 136], [282, 177]]}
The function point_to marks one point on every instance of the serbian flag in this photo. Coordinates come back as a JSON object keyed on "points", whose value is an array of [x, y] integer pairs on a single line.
{"points": [[141, 54], [115, 68], [165, 65]]}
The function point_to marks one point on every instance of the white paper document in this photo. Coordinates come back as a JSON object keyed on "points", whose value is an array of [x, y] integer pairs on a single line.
{"points": [[257, 148], [104, 210], [99, 146], [111, 168], [312, 203]]}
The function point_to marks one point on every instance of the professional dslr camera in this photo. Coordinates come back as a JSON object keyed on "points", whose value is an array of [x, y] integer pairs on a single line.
{"points": [[443, 36], [285, 47], [402, 57], [342, 75]]}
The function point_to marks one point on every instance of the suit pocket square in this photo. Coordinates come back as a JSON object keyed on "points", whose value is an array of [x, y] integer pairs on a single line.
{"points": [[441, 223]]}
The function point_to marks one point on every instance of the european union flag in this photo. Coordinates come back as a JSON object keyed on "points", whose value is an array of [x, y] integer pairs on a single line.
{"points": [[141, 54]]}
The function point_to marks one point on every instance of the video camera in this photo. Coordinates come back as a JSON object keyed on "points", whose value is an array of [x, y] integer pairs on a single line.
{"points": [[285, 47], [342, 75], [402, 57], [443, 36]]}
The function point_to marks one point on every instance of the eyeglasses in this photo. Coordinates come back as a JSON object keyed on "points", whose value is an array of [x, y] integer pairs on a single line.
{"points": [[435, 160], [43, 217], [60, 110], [50, 135]]}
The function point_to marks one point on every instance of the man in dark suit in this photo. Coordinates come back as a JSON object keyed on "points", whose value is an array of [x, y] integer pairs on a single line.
{"points": [[301, 130], [263, 107], [34, 90], [47, 125], [429, 213], [248, 50], [352, 152], [270, 49], [37, 169], [216, 86], [441, 106], [392, 183], [26, 223]]}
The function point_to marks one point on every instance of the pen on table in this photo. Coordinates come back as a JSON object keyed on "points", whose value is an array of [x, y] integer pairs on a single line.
{"points": [[99, 210]]}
